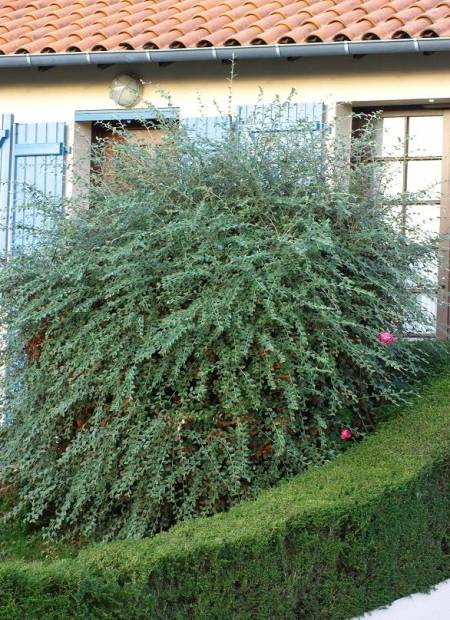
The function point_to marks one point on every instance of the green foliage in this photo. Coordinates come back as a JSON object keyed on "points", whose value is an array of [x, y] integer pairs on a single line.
{"points": [[16, 543], [205, 329], [340, 540]]}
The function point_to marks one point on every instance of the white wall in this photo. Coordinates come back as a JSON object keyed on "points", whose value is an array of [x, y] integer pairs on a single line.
{"points": [[55, 94]]}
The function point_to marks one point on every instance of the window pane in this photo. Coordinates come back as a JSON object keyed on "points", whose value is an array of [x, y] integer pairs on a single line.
{"points": [[425, 176], [421, 222], [394, 178], [395, 216], [424, 218], [428, 326], [425, 136], [391, 136]]}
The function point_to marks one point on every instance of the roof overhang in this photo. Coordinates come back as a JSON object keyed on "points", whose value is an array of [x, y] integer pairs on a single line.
{"points": [[244, 52]]}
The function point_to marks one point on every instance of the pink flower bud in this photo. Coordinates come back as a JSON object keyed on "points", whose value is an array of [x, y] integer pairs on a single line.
{"points": [[346, 434], [386, 338]]}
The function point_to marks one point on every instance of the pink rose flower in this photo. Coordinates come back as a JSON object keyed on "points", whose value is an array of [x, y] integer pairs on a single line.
{"points": [[386, 338], [346, 434]]}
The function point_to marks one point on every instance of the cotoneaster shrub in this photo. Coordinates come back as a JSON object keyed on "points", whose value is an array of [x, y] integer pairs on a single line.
{"points": [[204, 325]]}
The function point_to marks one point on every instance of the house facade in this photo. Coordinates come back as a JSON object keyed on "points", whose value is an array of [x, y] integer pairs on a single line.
{"points": [[60, 63]]}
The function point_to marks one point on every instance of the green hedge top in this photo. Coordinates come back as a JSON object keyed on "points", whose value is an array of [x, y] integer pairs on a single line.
{"points": [[404, 446], [374, 482]]}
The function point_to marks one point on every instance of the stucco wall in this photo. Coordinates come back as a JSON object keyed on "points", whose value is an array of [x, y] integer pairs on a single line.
{"points": [[55, 94]]}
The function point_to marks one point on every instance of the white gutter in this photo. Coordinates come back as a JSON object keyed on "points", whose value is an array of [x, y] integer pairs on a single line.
{"points": [[261, 52]]}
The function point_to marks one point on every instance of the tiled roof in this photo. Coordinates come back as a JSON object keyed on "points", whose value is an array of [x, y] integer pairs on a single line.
{"points": [[48, 26]]}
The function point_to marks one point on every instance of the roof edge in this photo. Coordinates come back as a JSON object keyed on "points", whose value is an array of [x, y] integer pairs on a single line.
{"points": [[290, 50]]}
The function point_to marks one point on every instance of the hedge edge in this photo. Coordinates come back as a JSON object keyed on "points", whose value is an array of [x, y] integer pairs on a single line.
{"points": [[342, 539]]}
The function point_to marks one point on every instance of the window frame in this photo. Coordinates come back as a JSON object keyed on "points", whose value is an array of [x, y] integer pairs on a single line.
{"points": [[443, 281]]}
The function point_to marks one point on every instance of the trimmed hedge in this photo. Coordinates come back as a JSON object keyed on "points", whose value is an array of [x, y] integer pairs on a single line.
{"points": [[339, 540]]}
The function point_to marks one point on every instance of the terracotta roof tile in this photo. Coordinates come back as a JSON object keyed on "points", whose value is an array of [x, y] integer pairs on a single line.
{"points": [[39, 26]]}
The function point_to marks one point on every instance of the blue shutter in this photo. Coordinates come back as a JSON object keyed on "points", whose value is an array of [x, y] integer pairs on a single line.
{"points": [[6, 132], [286, 115], [283, 115], [209, 127], [32, 158]]}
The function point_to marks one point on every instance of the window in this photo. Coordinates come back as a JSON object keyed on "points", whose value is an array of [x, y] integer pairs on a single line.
{"points": [[143, 125], [417, 145], [413, 144], [136, 132]]}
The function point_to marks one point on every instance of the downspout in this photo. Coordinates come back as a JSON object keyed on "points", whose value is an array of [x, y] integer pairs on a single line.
{"points": [[244, 52]]}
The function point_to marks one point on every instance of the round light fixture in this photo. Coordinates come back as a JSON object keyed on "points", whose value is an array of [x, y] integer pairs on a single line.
{"points": [[126, 90]]}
